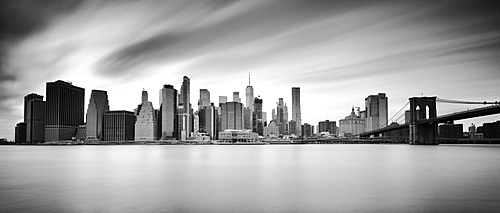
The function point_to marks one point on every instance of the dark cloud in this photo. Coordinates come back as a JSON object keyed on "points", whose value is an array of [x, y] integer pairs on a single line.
{"points": [[21, 18], [128, 57]]}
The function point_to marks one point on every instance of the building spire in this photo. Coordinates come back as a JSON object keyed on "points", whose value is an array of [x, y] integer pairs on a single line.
{"points": [[248, 78]]}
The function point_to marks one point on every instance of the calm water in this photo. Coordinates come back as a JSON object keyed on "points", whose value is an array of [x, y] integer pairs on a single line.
{"points": [[281, 178]]}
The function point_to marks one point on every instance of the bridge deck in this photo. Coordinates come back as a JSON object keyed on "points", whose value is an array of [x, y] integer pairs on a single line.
{"points": [[483, 111]]}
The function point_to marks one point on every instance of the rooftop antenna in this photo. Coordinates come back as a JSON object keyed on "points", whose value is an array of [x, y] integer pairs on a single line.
{"points": [[248, 78]]}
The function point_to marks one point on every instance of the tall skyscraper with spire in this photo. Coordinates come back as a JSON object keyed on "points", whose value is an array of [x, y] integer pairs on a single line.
{"points": [[296, 114], [249, 104], [98, 105]]}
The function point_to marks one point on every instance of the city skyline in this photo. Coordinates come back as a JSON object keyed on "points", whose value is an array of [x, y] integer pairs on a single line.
{"points": [[337, 53]]}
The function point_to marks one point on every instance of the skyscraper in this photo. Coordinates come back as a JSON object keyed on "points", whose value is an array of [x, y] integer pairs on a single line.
{"points": [[236, 97], [64, 110], [222, 99], [119, 126], [258, 117], [247, 118], [249, 103], [168, 111], [34, 117], [280, 116], [20, 133], [232, 114], [328, 126], [296, 114], [204, 98], [146, 124], [186, 103], [307, 130], [98, 105], [376, 107], [207, 119]]}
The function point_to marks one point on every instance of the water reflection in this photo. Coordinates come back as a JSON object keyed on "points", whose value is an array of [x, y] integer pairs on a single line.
{"points": [[312, 178]]}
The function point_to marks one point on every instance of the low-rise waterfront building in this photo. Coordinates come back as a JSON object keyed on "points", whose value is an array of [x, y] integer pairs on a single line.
{"points": [[234, 136]]}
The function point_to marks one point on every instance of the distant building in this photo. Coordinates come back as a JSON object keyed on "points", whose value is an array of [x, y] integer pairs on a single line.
{"points": [[236, 97], [281, 120], [186, 103], [307, 130], [292, 127], [64, 110], [208, 121], [231, 116], [98, 105], [296, 111], [328, 126], [258, 121], [398, 134], [34, 117], [247, 115], [271, 130], [472, 130], [376, 107], [20, 133], [182, 118], [168, 112], [491, 130], [146, 125], [119, 126], [81, 133], [450, 131], [204, 99], [351, 125], [222, 100], [235, 136], [249, 103]]}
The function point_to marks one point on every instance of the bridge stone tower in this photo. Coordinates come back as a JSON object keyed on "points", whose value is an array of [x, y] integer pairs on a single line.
{"points": [[423, 133]]}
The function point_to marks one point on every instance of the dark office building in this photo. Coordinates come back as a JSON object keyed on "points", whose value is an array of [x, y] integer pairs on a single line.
{"points": [[292, 127], [451, 131], [20, 133], [208, 120], [491, 130], [34, 117], [258, 122], [328, 126], [119, 126], [307, 130], [64, 110]]}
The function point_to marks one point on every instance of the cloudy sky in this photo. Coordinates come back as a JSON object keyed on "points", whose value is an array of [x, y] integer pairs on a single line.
{"points": [[337, 52]]}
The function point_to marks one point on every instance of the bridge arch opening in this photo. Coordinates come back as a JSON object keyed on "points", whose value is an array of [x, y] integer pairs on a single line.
{"points": [[417, 112], [427, 112]]}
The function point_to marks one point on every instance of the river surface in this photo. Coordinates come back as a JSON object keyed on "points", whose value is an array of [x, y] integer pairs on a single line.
{"points": [[265, 178]]}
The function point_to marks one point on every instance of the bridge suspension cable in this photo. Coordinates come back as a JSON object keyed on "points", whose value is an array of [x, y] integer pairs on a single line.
{"points": [[443, 100], [402, 108]]}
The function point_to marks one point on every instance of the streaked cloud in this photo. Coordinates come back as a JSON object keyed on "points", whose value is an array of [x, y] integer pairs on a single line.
{"points": [[338, 52]]}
